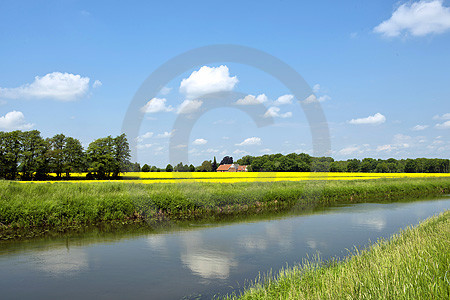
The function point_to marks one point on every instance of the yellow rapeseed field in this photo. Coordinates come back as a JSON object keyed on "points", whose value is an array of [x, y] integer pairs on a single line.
{"points": [[232, 177]]}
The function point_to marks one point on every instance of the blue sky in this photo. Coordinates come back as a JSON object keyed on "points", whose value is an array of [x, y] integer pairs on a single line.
{"points": [[380, 70]]}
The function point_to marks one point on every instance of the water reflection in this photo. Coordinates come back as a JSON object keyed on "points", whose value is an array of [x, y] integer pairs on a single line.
{"points": [[375, 222], [205, 261], [61, 261], [195, 261]]}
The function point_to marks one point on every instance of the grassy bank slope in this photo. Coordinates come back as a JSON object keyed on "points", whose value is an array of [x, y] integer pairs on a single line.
{"points": [[25, 205], [414, 264]]}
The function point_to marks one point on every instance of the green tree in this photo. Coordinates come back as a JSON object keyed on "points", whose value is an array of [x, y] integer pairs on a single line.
{"points": [[191, 168], [12, 151], [100, 155], [74, 156], [353, 165], [214, 165], [146, 168], [57, 145], [33, 147], [122, 154], [169, 168], [206, 166]]}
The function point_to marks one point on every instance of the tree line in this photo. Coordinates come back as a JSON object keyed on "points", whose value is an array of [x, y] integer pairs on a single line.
{"points": [[305, 163], [26, 155]]}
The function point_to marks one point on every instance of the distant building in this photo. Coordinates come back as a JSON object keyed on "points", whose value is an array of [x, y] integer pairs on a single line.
{"points": [[232, 168]]}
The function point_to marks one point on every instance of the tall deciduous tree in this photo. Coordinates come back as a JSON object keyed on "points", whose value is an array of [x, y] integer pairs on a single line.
{"points": [[74, 157], [58, 143]]}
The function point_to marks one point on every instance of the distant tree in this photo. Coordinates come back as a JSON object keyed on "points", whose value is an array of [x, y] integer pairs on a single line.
{"points": [[33, 147], [410, 166], [121, 154], [382, 167], [226, 160], [146, 168], [74, 157], [353, 165], [169, 168], [181, 168], [214, 165], [191, 168], [155, 169], [368, 165], [12, 153], [100, 155], [206, 166], [246, 160], [57, 145]]}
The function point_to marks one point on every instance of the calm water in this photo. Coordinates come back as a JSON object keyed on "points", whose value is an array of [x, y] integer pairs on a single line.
{"points": [[193, 263]]}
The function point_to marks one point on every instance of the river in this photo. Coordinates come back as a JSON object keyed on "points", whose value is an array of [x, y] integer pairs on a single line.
{"points": [[197, 261]]}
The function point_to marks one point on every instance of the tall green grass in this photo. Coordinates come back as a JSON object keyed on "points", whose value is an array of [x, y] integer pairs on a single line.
{"points": [[25, 205], [414, 264]]}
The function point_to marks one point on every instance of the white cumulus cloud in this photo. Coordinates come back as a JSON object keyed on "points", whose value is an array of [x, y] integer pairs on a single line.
{"points": [[97, 84], [57, 86], [14, 120], [250, 141], [252, 100], [375, 120], [189, 106], [445, 125], [417, 18], [199, 142], [166, 134], [156, 105], [442, 117], [420, 127], [208, 80], [285, 99], [349, 150], [274, 112], [146, 135]]}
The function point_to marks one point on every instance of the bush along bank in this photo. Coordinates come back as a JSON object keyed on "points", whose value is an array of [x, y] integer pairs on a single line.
{"points": [[34, 205], [413, 264]]}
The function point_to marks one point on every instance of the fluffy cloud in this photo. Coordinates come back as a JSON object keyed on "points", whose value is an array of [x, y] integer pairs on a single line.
{"points": [[166, 134], [285, 99], [199, 142], [156, 105], [442, 117], [250, 141], [399, 142], [97, 84], [14, 120], [165, 90], [445, 125], [252, 100], [144, 146], [420, 127], [56, 86], [146, 135], [313, 99], [418, 18], [375, 120], [207, 80], [189, 106], [274, 112], [240, 152], [349, 150]]}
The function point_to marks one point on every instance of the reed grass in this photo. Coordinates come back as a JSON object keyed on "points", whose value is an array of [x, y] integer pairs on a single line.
{"points": [[413, 264], [26, 205]]}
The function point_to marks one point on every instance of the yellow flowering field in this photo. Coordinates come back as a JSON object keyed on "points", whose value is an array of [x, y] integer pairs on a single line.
{"points": [[232, 177]]}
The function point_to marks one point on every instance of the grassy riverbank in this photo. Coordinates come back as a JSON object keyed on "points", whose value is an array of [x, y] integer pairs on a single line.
{"points": [[29, 205], [414, 264]]}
